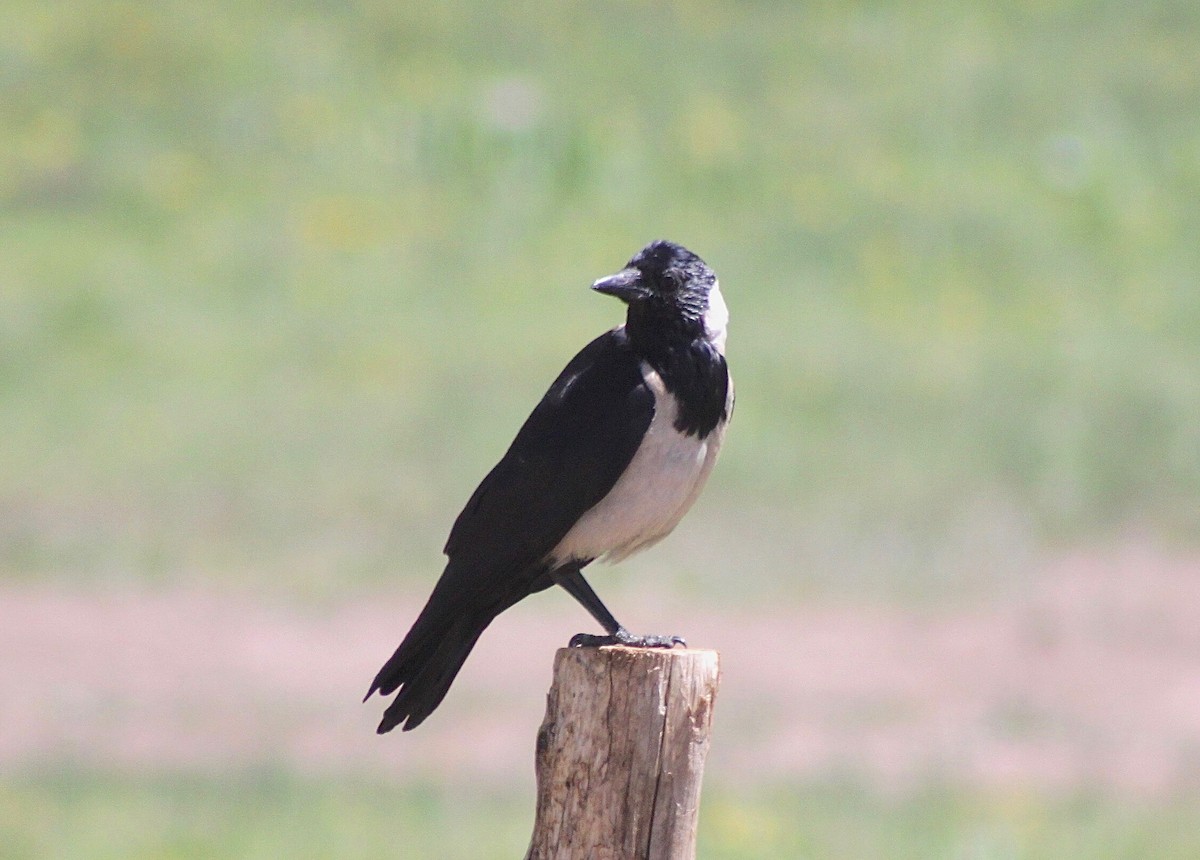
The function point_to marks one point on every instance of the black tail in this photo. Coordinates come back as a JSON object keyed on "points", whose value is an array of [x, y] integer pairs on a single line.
{"points": [[427, 661], [425, 665]]}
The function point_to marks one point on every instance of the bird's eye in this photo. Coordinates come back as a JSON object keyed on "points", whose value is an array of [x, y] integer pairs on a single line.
{"points": [[671, 281]]}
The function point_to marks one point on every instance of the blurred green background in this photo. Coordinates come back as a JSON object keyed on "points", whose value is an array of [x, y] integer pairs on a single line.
{"points": [[278, 282]]}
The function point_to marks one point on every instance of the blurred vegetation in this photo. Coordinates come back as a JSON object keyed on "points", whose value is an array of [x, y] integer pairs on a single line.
{"points": [[278, 282], [273, 815]]}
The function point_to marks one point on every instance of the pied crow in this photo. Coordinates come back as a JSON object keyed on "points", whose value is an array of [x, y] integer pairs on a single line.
{"points": [[607, 464]]}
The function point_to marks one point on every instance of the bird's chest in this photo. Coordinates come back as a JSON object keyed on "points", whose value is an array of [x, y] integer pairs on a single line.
{"points": [[661, 482]]}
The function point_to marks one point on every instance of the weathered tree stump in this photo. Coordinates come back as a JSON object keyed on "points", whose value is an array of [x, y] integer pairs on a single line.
{"points": [[621, 752]]}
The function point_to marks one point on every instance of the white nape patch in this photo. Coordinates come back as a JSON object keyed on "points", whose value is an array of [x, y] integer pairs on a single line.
{"points": [[716, 318], [656, 490]]}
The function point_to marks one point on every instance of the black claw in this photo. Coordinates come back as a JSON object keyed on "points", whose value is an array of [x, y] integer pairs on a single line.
{"points": [[624, 637], [590, 640]]}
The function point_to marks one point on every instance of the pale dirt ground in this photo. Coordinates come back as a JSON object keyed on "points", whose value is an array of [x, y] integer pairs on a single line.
{"points": [[1089, 678]]}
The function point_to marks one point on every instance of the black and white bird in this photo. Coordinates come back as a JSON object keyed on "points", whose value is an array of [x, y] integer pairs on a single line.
{"points": [[607, 464]]}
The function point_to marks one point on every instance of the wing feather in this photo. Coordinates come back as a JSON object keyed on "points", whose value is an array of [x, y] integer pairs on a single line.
{"points": [[565, 459]]}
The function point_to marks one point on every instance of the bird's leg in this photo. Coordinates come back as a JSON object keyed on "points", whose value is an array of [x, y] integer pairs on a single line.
{"points": [[624, 637], [571, 578]]}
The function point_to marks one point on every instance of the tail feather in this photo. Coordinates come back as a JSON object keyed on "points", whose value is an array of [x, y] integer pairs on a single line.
{"points": [[433, 652], [424, 678]]}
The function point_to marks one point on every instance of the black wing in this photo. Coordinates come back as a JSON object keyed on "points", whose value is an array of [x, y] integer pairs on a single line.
{"points": [[565, 458]]}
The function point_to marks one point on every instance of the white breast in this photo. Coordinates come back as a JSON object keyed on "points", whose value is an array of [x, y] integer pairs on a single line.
{"points": [[650, 498]]}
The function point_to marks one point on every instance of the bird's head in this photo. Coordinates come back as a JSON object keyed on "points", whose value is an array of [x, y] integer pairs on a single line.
{"points": [[668, 288]]}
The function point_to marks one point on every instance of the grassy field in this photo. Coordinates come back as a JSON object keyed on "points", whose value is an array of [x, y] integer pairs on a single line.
{"points": [[265, 268], [273, 815], [279, 281]]}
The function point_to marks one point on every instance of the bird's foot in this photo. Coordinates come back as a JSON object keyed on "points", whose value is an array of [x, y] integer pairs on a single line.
{"points": [[624, 637]]}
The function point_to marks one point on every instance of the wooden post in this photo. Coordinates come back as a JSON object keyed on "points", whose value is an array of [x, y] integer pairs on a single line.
{"points": [[621, 753]]}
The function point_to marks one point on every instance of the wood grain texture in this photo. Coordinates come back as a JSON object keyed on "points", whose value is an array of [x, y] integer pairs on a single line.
{"points": [[620, 755]]}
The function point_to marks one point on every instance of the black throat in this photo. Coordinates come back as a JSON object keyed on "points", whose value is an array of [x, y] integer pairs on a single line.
{"points": [[691, 368]]}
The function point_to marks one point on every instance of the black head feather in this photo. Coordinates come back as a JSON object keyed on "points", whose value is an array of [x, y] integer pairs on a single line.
{"points": [[667, 289], [666, 286]]}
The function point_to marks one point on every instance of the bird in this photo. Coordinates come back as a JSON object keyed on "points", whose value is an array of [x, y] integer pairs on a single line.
{"points": [[606, 465]]}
